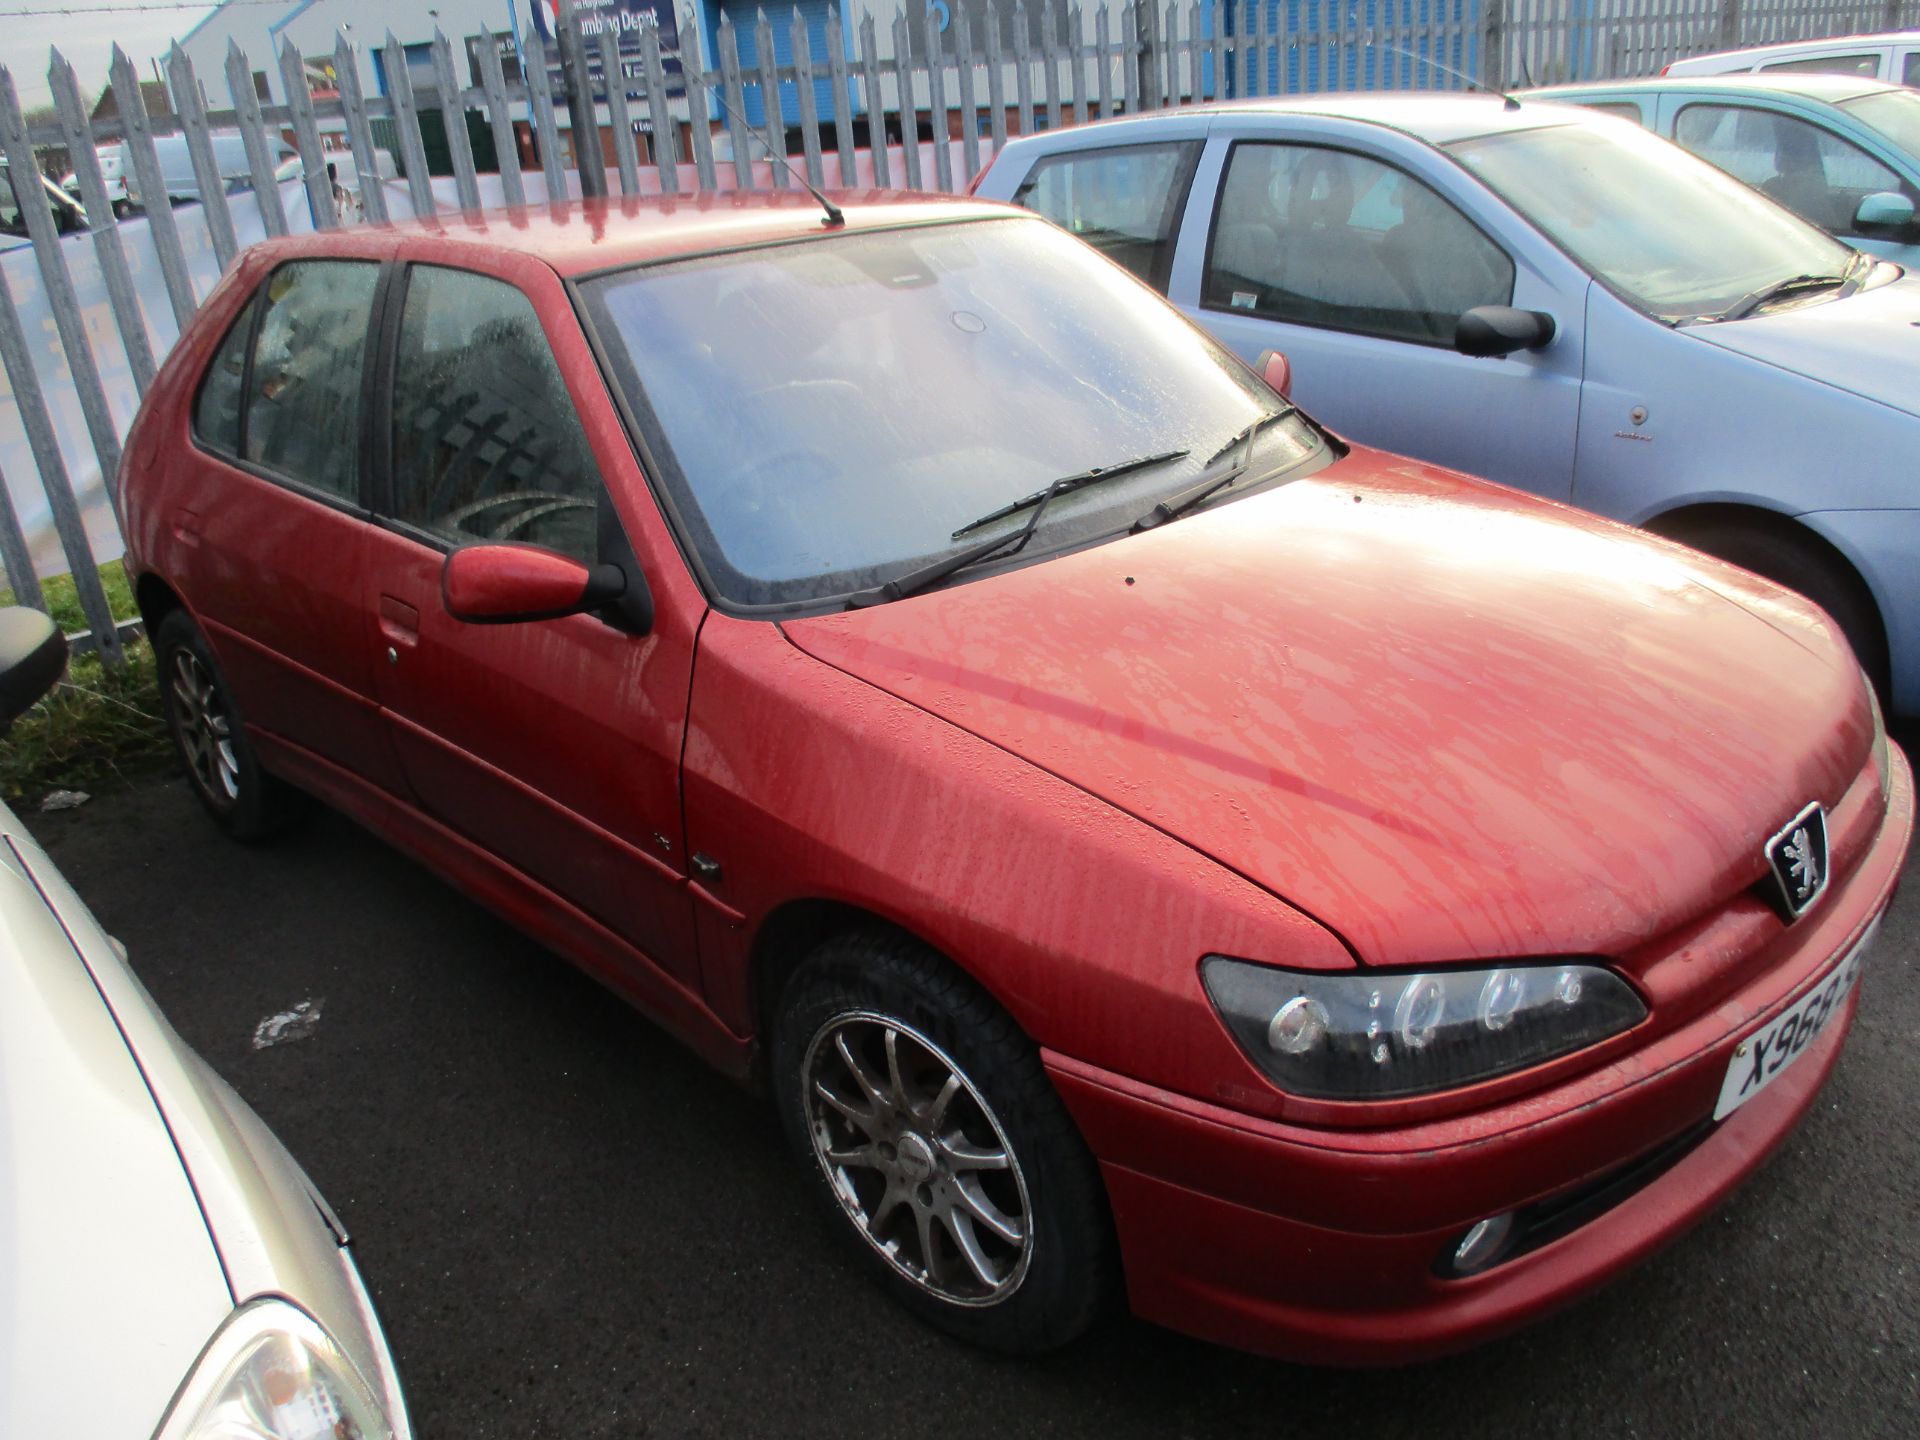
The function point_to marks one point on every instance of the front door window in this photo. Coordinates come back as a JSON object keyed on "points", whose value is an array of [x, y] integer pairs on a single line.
{"points": [[1332, 239], [486, 444]]}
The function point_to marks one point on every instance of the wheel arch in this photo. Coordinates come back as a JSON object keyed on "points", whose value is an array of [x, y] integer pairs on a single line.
{"points": [[156, 600], [797, 927]]}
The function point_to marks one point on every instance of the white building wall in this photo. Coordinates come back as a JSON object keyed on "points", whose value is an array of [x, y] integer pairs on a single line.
{"points": [[314, 26]]}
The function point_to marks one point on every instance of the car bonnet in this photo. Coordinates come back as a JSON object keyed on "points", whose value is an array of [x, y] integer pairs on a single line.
{"points": [[1867, 344], [1444, 719], [109, 1282]]}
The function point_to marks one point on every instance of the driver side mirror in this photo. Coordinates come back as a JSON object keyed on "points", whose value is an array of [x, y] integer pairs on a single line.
{"points": [[511, 584], [33, 656], [1277, 372], [1494, 330], [1884, 210]]}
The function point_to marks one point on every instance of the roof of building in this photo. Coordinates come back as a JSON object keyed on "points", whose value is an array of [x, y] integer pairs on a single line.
{"points": [[153, 94]]}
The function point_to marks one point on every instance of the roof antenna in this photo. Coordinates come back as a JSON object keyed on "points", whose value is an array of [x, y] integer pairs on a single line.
{"points": [[835, 215], [1431, 63]]}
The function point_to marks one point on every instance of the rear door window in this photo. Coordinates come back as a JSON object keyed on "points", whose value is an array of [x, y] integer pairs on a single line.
{"points": [[1910, 68], [486, 442], [1813, 172], [1125, 202], [293, 408], [1334, 239]]}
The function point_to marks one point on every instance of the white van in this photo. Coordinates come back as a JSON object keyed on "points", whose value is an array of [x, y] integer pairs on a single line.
{"points": [[110, 176], [229, 154], [1893, 55], [67, 214]]}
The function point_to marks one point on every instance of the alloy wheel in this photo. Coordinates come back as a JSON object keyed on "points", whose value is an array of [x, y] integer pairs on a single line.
{"points": [[917, 1159], [204, 729]]}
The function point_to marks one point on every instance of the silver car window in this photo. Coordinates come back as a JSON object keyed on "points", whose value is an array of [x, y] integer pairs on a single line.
{"points": [[1670, 233], [1124, 201], [1810, 170], [1332, 239], [1894, 113]]}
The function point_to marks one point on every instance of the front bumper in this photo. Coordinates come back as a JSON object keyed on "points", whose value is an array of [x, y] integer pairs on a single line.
{"points": [[1320, 1245]]}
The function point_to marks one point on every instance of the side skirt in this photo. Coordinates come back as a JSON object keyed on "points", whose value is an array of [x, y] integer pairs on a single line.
{"points": [[520, 901]]}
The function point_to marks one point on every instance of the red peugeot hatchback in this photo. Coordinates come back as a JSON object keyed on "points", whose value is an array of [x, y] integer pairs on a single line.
{"points": [[1141, 839]]}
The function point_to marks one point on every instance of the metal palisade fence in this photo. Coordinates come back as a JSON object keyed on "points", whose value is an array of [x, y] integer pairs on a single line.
{"points": [[921, 103]]}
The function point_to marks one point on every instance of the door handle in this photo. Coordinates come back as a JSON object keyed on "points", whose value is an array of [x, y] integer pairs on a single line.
{"points": [[399, 626]]}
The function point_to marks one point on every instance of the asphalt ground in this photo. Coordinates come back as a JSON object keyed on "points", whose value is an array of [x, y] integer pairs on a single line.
{"points": [[573, 1229]]}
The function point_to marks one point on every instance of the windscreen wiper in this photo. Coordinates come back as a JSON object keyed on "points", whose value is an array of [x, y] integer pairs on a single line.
{"points": [[914, 581], [1070, 482], [1846, 280], [1179, 503], [1244, 437]]}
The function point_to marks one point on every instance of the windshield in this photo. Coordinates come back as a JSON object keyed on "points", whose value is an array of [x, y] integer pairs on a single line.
{"points": [[1894, 113], [825, 415], [1670, 233]]}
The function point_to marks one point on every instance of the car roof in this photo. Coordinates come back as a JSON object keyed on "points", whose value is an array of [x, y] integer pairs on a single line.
{"points": [[1435, 116], [1809, 85], [578, 237], [1829, 44]]}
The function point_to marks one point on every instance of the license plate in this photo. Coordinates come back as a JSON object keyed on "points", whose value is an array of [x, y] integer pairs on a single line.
{"points": [[1764, 1056]]}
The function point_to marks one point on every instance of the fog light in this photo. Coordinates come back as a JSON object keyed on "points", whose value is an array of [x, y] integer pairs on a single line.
{"points": [[1481, 1245]]}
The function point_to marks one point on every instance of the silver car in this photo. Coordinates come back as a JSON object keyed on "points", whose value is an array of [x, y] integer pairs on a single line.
{"points": [[1548, 297], [166, 1269]]}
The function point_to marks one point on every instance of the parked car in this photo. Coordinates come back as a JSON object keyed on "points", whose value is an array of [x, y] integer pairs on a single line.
{"points": [[111, 178], [1842, 153], [1546, 296], [229, 154], [67, 216], [1133, 832], [166, 1269], [1891, 55]]}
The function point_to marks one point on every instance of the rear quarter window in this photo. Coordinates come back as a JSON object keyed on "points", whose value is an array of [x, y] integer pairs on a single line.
{"points": [[216, 409]]}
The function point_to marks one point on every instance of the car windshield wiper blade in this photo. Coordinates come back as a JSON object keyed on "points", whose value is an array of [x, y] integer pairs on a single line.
{"points": [[1182, 501], [1243, 437], [914, 581], [1767, 294], [1070, 482]]}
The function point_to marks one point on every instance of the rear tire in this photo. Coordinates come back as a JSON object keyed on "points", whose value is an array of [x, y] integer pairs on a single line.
{"points": [[981, 1212], [210, 737]]}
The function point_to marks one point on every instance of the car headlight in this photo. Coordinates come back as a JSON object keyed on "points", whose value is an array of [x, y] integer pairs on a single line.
{"points": [[1369, 1036], [1882, 765], [273, 1374]]}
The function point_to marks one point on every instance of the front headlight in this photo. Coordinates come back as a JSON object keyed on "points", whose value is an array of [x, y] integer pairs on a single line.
{"points": [[1370, 1036], [273, 1374]]}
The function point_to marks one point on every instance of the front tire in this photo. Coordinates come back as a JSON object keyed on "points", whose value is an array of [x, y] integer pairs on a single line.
{"points": [[938, 1147], [211, 740]]}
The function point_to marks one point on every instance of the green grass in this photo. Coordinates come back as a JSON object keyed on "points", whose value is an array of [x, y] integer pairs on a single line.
{"points": [[103, 726]]}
